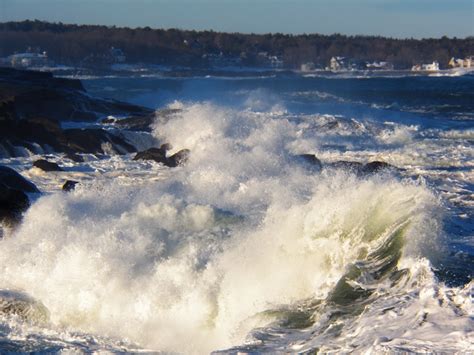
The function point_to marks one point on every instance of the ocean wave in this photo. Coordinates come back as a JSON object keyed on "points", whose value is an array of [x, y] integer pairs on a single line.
{"points": [[241, 244]]}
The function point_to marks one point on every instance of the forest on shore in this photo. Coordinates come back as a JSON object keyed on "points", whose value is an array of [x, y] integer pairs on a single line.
{"points": [[73, 44]]}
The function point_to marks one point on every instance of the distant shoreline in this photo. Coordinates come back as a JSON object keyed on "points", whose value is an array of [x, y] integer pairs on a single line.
{"points": [[96, 46]]}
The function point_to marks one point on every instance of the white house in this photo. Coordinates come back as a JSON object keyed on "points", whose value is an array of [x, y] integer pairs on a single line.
{"points": [[468, 62], [426, 67], [28, 59], [337, 63]]}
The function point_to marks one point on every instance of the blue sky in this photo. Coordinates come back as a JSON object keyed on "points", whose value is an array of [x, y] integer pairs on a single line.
{"points": [[395, 18]]}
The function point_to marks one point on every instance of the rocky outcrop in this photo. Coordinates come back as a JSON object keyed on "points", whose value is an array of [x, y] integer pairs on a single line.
{"points": [[160, 156], [40, 94], [352, 166], [46, 165], [33, 105], [13, 198], [140, 123], [14, 180]]}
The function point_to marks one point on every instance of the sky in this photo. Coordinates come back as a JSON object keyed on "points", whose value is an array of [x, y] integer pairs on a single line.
{"points": [[392, 18]]}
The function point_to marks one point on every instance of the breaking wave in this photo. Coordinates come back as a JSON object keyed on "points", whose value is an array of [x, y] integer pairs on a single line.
{"points": [[243, 245]]}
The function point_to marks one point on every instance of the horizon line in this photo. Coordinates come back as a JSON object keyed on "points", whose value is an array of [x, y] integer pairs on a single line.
{"points": [[240, 33]]}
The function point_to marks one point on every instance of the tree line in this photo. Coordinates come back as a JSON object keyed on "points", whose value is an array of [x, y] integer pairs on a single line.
{"points": [[71, 44]]}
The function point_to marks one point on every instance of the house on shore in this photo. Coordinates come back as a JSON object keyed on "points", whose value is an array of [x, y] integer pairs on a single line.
{"points": [[379, 65], [28, 59], [337, 63], [117, 55], [467, 62], [307, 67], [426, 67], [343, 63]]}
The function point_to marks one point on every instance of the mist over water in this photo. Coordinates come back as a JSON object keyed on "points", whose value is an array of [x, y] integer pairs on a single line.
{"points": [[246, 247]]}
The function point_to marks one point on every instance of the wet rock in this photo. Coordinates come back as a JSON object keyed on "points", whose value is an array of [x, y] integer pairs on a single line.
{"points": [[94, 140], [14, 180], [376, 166], [13, 198], [179, 158], [41, 94], [70, 185], [13, 203], [311, 160], [360, 168], [347, 165], [20, 304], [75, 157], [47, 165], [156, 154], [33, 104], [159, 155], [142, 122]]}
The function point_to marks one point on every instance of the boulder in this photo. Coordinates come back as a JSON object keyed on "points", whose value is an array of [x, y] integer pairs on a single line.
{"points": [[13, 203], [20, 304], [376, 166], [14, 180], [47, 165], [159, 155], [70, 185], [13, 198], [156, 154], [362, 169], [311, 160], [179, 158], [75, 157]]}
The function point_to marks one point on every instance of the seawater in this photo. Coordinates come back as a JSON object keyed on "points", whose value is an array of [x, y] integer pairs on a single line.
{"points": [[246, 248]]}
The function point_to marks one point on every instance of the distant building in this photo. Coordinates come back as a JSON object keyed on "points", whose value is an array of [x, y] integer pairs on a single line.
{"points": [[307, 67], [273, 61], [337, 63], [343, 63], [467, 62], [379, 66], [117, 55], [426, 67], [28, 59]]}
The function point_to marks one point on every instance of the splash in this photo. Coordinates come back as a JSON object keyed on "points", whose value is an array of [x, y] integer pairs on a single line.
{"points": [[189, 262]]}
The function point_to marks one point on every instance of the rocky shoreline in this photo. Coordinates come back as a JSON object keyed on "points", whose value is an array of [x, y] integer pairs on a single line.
{"points": [[34, 106]]}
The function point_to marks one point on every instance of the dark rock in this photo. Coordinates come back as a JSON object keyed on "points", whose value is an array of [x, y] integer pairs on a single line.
{"points": [[33, 104], [41, 94], [69, 185], [166, 146], [141, 122], [362, 169], [156, 154], [13, 198], [47, 165], [375, 167], [311, 160], [347, 165], [179, 158], [12, 204], [159, 155], [93, 140], [75, 157], [13, 180]]}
